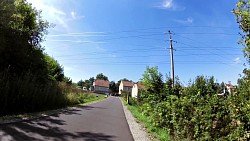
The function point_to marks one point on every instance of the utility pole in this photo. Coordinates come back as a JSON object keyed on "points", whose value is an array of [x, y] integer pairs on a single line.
{"points": [[171, 56]]}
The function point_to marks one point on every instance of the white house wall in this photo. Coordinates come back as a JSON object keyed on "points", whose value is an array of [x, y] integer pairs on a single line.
{"points": [[135, 90], [120, 88]]}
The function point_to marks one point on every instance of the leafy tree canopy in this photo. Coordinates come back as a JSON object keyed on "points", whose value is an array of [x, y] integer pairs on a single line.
{"points": [[86, 83], [242, 13], [21, 32], [101, 76], [113, 87], [54, 68], [68, 80], [153, 80]]}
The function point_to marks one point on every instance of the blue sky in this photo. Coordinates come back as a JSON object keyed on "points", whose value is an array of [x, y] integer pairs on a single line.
{"points": [[119, 38]]}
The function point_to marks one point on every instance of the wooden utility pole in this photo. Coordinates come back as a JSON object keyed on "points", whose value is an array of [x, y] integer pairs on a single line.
{"points": [[171, 56]]}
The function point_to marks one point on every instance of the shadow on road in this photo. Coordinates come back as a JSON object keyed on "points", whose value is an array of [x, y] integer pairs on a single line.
{"points": [[49, 128], [75, 110], [88, 136]]}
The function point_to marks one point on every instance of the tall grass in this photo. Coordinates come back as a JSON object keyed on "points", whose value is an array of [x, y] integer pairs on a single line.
{"points": [[156, 132], [25, 93]]}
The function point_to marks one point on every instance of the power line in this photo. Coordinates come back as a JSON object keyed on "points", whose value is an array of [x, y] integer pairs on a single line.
{"points": [[145, 56], [139, 29], [147, 63], [209, 33], [201, 49], [117, 51]]}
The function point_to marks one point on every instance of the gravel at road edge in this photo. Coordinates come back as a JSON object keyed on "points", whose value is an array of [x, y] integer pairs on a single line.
{"points": [[137, 130]]}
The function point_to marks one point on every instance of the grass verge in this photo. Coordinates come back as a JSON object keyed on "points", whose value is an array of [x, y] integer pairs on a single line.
{"points": [[83, 100], [93, 98], [154, 131]]}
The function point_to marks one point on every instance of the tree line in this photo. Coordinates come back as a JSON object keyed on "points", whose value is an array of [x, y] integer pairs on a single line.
{"points": [[113, 86], [30, 80]]}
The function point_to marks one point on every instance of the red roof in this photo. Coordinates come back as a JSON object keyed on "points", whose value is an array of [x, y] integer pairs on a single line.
{"points": [[140, 86], [127, 83], [101, 83], [230, 86]]}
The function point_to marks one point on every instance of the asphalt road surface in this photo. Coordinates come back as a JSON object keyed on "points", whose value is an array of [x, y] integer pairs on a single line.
{"points": [[101, 121]]}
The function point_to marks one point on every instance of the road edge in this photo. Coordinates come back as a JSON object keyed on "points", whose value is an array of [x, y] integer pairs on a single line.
{"points": [[137, 130]]}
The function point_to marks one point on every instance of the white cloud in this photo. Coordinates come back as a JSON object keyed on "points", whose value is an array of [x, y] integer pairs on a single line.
{"points": [[53, 14], [50, 13], [168, 4], [237, 60], [189, 20], [73, 15]]}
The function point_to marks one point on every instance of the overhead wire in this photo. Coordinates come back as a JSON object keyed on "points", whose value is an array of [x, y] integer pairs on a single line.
{"points": [[146, 36], [223, 57]]}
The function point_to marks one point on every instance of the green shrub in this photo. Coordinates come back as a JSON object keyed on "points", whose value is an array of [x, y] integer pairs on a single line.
{"points": [[197, 112]]}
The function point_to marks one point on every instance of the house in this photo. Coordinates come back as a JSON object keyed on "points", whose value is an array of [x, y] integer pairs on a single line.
{"points": [[101, 86], [125, 86], [136, 87], [230, 88]]}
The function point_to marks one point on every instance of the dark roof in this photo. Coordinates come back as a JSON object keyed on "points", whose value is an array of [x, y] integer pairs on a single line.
{"points": [[101, 83], [127, 83]]}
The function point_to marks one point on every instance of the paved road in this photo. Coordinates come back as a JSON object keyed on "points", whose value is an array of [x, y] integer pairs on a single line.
{"points": [[102, 121]]}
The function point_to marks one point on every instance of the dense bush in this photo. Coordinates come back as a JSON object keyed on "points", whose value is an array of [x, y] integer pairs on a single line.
{"points": [[196, 112], [23, 94]]}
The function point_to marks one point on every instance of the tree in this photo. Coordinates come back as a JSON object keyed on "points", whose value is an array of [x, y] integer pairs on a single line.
{"points": [[80, 83], [153, 80], [68, 80], [27, 75], [113, 86], [86, 83], [101, 76], [91, 80], [54, 68], [21, 32], [242, 13]]}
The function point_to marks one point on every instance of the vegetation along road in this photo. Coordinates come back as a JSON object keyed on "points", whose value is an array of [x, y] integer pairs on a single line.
{"points": [[103, 120]]}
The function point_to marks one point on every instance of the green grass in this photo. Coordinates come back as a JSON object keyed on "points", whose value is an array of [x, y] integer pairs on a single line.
{"points": [[154, 131], [27, 93], [92, 97]]}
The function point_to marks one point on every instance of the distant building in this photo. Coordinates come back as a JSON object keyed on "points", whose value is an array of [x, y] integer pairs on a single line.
{"points": [[136, 87], [125, 86], [101, 86], [230, 88]]}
